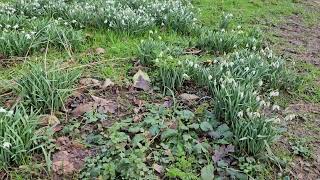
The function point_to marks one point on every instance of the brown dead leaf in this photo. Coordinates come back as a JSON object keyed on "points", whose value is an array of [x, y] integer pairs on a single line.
{"points": [[104, 105], [141, 80], [158, 168], [62, 163], [107, 83], [49, 120], [63, 167], [83, 108]]}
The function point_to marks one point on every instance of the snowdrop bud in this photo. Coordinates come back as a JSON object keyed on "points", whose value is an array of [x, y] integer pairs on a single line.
{"points": [[209, 77], [240, 114]]}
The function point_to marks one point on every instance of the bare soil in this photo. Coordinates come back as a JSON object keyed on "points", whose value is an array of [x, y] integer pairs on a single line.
{"points": [[301, 42]]}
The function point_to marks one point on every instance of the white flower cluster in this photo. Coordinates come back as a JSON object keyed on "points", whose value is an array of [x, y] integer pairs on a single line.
{"points": [[5, 112], [133, 15]]}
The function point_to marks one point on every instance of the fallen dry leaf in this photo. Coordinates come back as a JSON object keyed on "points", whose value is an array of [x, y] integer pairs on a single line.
{"points": [[188, 97], [141, 80], [104, 105], [89, 82], [83, 108], [63, 167], [49, 120], [158, 168], [107, 83]]}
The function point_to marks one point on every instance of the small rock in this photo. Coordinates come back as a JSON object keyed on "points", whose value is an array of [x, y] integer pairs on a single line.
{"points": [[189, 97]]}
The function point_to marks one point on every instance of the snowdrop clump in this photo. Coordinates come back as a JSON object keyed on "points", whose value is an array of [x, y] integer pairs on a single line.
{"points": [[132, 16]]}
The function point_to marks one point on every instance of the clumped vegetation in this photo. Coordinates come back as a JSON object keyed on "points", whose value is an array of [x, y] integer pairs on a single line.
{"points": [[17, 136], [151, 128], [46, 89]]}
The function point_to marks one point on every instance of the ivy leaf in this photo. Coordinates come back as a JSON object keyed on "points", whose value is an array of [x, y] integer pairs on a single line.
{"points": [[194, 126], [207, 172], [222, 131], [185, 114], [137, 139], [168, 133], [206, 126]]}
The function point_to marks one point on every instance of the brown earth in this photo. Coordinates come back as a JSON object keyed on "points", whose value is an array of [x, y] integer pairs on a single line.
{"points": [[301, 42]]}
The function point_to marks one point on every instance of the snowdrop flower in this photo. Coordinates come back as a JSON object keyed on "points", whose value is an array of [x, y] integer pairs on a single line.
{"points": [[254, 48], [2, 110], [209, 77], [7, 145], [16, 26], [256, 114], [185, 76], [28, 36], [223, 30], [258, 98], [9, 113], [290, 117], [246, 69], [262, 103], [270, 55], [238, 27], [274, 93], [241, 95], [275, 108], [196, 65], [190, 63], [240, 114]]}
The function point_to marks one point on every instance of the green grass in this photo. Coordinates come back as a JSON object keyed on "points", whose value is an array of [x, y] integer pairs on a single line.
{"points": [[252, 12]]}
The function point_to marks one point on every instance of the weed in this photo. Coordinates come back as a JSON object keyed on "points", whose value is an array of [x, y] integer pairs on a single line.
{"points": [[300, 147]]}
